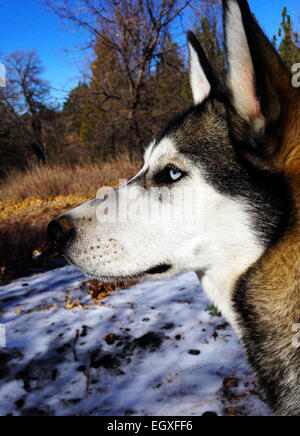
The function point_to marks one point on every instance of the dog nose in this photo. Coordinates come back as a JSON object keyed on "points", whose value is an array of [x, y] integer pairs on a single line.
{"points": [[60, 231]]}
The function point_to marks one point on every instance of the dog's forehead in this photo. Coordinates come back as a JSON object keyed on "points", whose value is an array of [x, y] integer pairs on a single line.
{"points": [[160, 152], [203, 128]]}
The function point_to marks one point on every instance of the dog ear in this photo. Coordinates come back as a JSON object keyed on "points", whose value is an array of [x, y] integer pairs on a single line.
{"points": [[259, 81], [241, 76], [203, 78]]}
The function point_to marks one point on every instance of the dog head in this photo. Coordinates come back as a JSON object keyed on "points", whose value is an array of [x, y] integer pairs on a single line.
{"points": [[206, 199]]}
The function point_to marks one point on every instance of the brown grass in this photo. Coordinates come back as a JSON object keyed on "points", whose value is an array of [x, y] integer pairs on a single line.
{"points": [[28, 201], [44, 182]]}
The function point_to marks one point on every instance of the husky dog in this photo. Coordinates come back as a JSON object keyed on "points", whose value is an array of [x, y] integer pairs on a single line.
{"points": [[238, 151]]}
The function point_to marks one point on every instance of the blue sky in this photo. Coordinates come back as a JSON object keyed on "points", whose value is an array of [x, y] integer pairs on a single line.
{"points": [[27, 25]]}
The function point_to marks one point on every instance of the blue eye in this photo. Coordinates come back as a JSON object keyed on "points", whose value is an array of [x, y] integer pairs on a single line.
{"points": [[175, 174], [169, 175]]}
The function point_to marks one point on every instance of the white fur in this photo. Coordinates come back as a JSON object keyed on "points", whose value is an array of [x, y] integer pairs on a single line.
{"points": [[208, 232], [199, 83]]}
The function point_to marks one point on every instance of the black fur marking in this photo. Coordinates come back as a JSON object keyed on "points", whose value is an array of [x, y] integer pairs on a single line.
{"points": [[176, 122], [160, 269]]}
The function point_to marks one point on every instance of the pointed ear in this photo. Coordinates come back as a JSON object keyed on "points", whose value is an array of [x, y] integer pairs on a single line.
{"points": [[203, 78], [241, 77]]}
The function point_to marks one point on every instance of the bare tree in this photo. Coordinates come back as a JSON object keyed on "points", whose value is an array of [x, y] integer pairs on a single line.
{"points": [[209, 29], [135, 30], [26, 93]]}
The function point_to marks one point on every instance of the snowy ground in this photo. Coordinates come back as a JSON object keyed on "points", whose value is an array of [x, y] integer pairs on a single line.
{"points": [[153, 349]]}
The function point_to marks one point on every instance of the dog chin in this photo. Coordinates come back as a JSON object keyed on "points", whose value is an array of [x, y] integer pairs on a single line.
{"points": [[156, 273]]}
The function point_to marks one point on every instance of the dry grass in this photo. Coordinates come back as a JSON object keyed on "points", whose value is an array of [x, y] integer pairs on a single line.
{"points": [[28, 201], [34, 209], [44, 183]]}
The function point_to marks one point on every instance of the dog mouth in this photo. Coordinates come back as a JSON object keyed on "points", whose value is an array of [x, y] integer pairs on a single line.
{"points": [[159, 269]]}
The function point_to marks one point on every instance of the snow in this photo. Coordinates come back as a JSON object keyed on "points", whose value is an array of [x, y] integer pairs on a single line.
{"points": [[168, 354]]}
